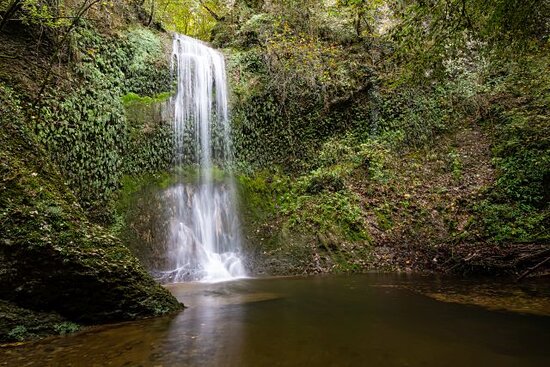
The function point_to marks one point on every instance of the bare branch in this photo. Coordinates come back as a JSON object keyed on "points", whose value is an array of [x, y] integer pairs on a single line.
{"points": [[212, 13]]}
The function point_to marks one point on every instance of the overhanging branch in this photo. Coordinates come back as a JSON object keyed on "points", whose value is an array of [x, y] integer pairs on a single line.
{"points": [[211, 12]]}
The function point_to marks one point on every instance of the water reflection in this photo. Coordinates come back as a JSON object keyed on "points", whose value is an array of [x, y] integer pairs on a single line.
{"points": [[210, 330], [377, 320]]}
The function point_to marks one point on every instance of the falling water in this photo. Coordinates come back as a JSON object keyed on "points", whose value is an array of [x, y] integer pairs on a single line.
{"points": [[204, 239]]}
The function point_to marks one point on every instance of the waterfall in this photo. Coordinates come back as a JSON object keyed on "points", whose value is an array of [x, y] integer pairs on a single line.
{"points": [[204, 241]]}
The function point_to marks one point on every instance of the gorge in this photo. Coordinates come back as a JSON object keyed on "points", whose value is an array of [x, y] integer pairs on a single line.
{"points": [[368, 180]]}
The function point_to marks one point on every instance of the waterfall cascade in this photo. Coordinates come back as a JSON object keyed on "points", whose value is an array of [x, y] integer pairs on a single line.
{"points": [[205, 237]]}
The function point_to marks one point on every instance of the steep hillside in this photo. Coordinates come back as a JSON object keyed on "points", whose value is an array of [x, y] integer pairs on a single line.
{"points": [[368, 143]]}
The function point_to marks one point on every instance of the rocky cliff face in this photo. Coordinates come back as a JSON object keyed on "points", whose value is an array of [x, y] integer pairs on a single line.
{"points": [[52, 259], [63, 154]]}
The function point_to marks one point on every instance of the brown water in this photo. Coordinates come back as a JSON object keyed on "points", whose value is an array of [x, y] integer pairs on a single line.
{"points": [[370, 320]]}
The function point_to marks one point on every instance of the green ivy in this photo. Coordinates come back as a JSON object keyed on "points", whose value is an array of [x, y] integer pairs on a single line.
{"points": [[84, 124]]}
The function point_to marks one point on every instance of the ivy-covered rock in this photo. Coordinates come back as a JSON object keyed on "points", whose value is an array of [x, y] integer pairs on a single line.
{"points": [[87, 125], [52, 259]]}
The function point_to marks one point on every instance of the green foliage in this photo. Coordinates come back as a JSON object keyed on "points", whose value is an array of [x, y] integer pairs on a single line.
{"points": [[149, 147], [314, 67], [522, 130], [87, 132], [319, 202], [133, 98], [321, 180], [430, 32], [144, 63], [486, 62], [280, 121], [517, 209], [416, 113], [195, 18], [19, 333], [511, 222], [455, 165], [364, 12], [374, 155], [337, 213], [66, 328], [281, 217], [343, 157], [255, 30], [131, 184], [19, 324], [47, 14]]}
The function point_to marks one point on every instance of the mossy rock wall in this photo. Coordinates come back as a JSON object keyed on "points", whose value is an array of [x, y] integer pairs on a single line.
{"points": [[52, 259], [111, 116]]}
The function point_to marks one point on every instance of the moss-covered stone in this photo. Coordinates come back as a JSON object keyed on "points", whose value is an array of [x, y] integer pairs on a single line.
{"points": [[18, 324], [149, 146], [52, 259]]}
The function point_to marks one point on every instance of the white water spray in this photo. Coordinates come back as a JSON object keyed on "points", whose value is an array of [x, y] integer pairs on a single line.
{"points": [[205, 239]]}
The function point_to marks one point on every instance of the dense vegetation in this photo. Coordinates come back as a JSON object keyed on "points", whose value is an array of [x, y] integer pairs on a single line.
{"points": [[418, 127], [368, 134], [80, 107]]}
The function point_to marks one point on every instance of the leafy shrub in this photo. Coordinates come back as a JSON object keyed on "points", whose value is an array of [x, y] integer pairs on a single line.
{"points": [[513, 223], [327, 212], [517, 208], [66, 328], [19, 333], [321, 181]]}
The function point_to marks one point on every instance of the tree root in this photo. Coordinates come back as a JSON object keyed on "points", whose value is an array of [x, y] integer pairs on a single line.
{"points": [[523, 259], [530, 270]]}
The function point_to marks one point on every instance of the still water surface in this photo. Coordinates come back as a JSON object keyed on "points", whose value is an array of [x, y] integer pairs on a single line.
{"points": [[367, 320]]}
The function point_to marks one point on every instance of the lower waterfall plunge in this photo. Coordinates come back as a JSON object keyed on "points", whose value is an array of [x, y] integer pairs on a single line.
{"points": [[204, 241]]}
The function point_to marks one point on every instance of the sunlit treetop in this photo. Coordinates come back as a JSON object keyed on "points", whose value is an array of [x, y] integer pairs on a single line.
{"points": [[194, 18]]}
